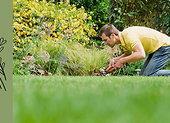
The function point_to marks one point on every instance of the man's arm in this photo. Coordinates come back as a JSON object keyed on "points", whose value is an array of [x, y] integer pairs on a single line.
{"points": [[115, 60], [134, 57], [127, 53]]}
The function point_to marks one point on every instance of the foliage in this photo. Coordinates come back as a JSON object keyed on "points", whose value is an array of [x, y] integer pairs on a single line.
{"points": [[41, 21], [17, 70], [154, 14], [69, 59], [100, 9], [129, 69], [87, 99]]}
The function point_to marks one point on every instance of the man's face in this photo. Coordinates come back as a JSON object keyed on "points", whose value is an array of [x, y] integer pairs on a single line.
{"points": [[110, 41]]}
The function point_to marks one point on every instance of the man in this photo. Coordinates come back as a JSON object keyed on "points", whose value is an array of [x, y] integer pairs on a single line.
{"points": [[137, 42]]}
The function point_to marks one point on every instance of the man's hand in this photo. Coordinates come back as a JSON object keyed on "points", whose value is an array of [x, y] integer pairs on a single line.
{"points": [[116, 66], [111, 64]]}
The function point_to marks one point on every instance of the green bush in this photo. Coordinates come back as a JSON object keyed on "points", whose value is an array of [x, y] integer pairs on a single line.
{"points": [[69, 59], [100, 9], [41, 21], [154, 14]]}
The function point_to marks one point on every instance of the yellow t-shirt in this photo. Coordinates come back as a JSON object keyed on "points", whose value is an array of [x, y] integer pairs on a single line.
{"points": [[150, 38]]}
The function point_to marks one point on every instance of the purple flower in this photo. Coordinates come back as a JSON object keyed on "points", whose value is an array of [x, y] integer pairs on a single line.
{"points": [[75, 67], [71, 34], [42, 65], [70, 27], [80, 65], [40, 17], [55, 56], [63, 59], [59, 25], [49, 34], [43, 16], [64, 63], [38, 20]]}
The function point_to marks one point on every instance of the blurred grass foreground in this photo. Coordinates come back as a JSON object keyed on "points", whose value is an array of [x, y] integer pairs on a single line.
{"points": [[91, 99]]}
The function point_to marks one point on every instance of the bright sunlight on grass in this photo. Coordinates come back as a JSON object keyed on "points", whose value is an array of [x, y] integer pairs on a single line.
{"points": [[91, 99]]}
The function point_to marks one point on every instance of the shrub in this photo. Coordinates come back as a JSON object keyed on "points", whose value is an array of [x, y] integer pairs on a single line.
{"points": [[100, 9], [154, 14], [46, 21], [68, 59]]}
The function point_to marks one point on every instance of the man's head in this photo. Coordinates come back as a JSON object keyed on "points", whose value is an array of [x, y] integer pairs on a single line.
{"points": [[109, 34], [109, 29]]}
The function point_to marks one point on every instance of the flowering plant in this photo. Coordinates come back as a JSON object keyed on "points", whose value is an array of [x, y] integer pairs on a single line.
{"points": [[48, 22]]}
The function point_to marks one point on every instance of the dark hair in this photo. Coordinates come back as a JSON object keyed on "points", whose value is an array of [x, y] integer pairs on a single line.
{"points": [[108, 29]]}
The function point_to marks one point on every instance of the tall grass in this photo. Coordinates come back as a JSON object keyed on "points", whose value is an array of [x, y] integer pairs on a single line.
{"points": [[79, 58]]}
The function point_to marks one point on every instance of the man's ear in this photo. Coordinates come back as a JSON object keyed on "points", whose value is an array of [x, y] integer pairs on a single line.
{"points": [[112, 35]]}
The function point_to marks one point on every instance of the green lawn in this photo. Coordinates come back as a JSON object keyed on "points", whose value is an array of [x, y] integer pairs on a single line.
{"points": [[91, 99]]}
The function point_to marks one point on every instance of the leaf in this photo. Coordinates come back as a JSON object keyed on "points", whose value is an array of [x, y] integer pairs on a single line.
{"points": [[1, 49], [3, 65], [1, 72], [2, 41]]}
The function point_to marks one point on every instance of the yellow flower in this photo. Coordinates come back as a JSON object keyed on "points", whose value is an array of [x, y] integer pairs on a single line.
{"points": [[30, 19], [54, 34], [49, 38], [89, 34], [28, 32], [87, 42], [78, 38], [29, 12], [19, 34], [52, 14], [60, 38], [74, 9], [24, 32], [15, 2], [58, 33], [89, 17]]}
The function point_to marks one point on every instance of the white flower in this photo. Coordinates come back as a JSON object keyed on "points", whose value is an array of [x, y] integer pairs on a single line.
{"points": [[44, 55]]}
